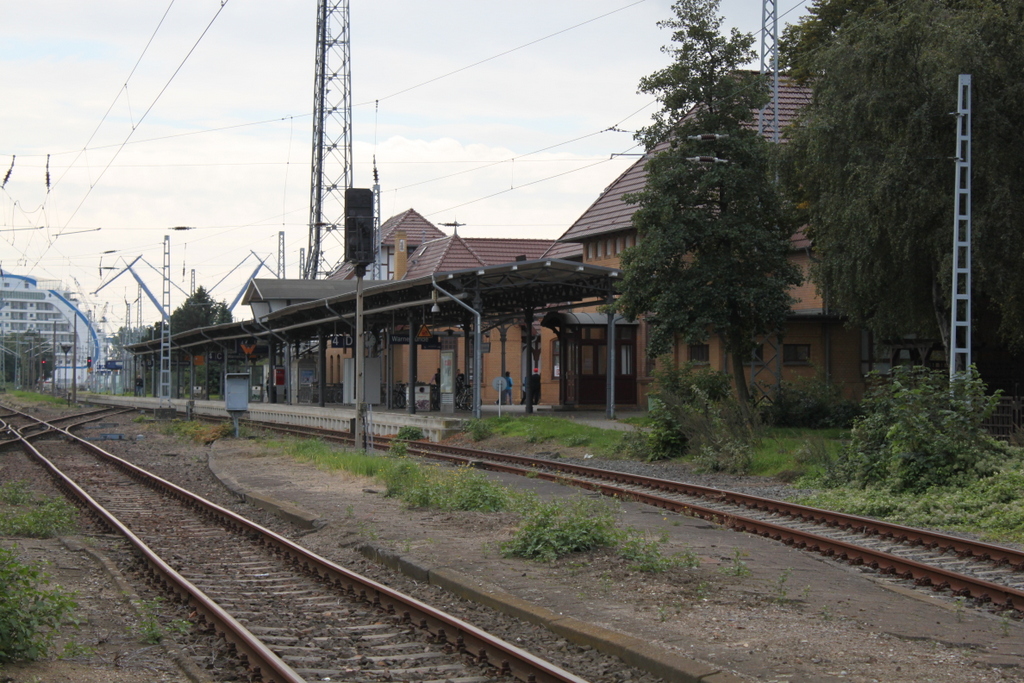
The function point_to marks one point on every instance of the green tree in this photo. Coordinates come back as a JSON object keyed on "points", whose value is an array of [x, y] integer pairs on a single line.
{"points": [[199, 310], [712, 253], [871, 158]]}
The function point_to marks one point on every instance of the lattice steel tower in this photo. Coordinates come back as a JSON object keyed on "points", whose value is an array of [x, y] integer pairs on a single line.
{"points": [[332, 132], [768, 117]]}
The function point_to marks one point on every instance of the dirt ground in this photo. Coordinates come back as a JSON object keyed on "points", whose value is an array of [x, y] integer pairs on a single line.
{"points": [[760, 609]]}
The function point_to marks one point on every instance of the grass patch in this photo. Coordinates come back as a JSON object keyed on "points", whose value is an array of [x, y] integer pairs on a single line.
{"points": [[328, 458], [558, 430], [446, 488], [794, 451], [992, 507], [35, 397], [23, 514]]}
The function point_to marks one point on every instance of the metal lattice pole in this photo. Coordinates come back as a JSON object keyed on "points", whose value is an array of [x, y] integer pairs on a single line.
{"points": [[165, 329], [960, 323], [768, 117], [280, 255], [332, 131]]}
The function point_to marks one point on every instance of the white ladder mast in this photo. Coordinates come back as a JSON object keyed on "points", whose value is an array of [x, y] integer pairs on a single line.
{"points": [[960, 313]]}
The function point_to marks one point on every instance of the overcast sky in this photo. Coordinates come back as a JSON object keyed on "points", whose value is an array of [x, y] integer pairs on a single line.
{"points": [[150, 123]]}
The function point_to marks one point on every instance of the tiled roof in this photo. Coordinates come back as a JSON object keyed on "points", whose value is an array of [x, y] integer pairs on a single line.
{"points": [[567, 251], [456, 252], [435, 256], [417, 231], [417, 228], [609, 213]]}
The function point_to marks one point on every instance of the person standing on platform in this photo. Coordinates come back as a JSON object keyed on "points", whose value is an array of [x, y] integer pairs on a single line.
{"points": [[506, 393]]}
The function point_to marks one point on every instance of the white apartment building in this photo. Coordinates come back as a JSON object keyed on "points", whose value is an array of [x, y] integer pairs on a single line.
{"points": [[35, 316]]}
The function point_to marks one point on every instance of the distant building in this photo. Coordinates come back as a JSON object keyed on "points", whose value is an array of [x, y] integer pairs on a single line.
{"points": [[35, 315]]}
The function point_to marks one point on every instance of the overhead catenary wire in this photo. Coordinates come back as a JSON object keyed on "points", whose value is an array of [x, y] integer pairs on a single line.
{"points": [[152, 104]]}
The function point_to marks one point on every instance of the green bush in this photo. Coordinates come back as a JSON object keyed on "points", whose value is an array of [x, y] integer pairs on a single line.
{"points": [[16, 493], [920, 431], [478, 430], [694, 413], [553, 529], [410, 433], [42, 520], [811, 403], [31, 615]]}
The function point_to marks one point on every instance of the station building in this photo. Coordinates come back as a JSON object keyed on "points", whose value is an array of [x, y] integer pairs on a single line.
{"points": [[539, 307]]}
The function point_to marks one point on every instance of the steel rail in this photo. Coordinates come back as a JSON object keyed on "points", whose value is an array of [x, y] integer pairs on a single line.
{"points": [[886, 563], [998, 555], [930, 539], [259, 658], [461, 635]]}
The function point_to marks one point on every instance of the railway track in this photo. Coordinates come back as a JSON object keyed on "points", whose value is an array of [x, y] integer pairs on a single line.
{"points": [[986, 573], [290, 615]]}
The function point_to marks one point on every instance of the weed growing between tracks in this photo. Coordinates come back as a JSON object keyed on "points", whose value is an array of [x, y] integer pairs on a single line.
{"points": [[23, 514], [31, 615]]}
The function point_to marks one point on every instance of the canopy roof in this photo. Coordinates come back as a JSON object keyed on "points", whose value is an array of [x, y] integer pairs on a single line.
{"points": [[501, 293]]}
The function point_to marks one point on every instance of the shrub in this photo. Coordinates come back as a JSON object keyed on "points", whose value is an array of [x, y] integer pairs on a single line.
{"points": [[31, 615], [16, 493], [811, 403], [920, 430], [410, 433], [723, 453], [478, 430], [556, 528], [44, 520], [692, 411]]}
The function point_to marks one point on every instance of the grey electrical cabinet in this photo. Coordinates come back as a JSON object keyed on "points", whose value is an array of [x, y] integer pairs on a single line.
{"points": [[236, 391]]}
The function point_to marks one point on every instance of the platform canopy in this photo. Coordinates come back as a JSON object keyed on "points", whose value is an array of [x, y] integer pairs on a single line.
{"points": [[500, 293]]}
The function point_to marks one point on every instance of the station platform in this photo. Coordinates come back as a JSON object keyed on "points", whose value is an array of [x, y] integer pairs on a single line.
{"points": [[383, 422]]}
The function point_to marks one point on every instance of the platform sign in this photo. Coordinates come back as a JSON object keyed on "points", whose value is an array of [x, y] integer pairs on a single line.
{"points": [[114, 365], [430, 342], [341, 341]]}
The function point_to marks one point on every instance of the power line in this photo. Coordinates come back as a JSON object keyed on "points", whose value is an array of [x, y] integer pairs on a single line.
{"points": [[123, 88], [152, 104], [500, 54]]}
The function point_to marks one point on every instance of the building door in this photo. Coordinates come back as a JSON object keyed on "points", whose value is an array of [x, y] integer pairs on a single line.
{"points": [[593, 365]]}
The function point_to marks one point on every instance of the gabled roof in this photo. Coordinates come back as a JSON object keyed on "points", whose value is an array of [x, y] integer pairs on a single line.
{"points": [[456, 253], [417, 228], [609, 213], [448, 253]]}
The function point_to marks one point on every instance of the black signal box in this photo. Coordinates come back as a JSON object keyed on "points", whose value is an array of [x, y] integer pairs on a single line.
{"points": [[359, 246]]}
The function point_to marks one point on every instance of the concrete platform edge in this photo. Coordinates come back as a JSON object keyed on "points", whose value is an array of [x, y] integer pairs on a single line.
{"points": [[287, 511], [633, 651]]}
